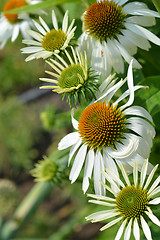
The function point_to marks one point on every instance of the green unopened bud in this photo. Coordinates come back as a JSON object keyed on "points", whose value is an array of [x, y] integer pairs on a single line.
{"points": [[45, 170]]}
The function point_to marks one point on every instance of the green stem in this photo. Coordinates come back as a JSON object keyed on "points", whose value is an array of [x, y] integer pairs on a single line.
{"points": [[157, 4], [28, 205]]}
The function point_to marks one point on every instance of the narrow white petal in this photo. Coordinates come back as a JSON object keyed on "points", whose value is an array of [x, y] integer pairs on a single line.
{"points": [[153, 218], [70, 27], [136, 230], [146, 229], [154, 185], [124, 174], [121, 229], [31, 42], [54, 20], [65, 22], [78, 163], [111, 223], [149, 179], [99, 197], [143, 32], [15, 32], [97, 174], [73, 150], [88, 169], [115, 177], [155, 201], [100, 214], [130, 86], [44, 24], [111, 181], [40, 29], [135, 173], [154, 192], [106, 216], [31, 49], [143, 173], [35, 35], [74, 121], [69, 140], [128, 230]]}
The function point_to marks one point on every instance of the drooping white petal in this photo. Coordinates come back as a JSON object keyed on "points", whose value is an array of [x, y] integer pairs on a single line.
{"points": [[121, 229], [128, 44], [143, 32], [69, 140], [153, 218], [139, 111], [97, 173], [142, 20], [146, 229], [73, 150], [78, 163], [74, 121], [109, 162], [136, 230], [136, 39], [15, 32], [128, 230], [88, 169]]}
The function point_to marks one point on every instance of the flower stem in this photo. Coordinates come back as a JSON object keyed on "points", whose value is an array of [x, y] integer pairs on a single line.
{"points": [[157, 4]]}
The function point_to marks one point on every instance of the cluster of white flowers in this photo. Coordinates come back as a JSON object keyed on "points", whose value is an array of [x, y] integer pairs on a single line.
{"points": [[112, 135]]}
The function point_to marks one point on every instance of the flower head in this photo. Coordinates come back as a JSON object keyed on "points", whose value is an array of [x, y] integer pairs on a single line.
{"points": [[109, 133], [130, 204], [113, 30], [49, 41], [11, 23], [74, 78]]}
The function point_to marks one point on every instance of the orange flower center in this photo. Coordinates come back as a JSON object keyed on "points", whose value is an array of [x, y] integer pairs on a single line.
{"points": [[104, 19], [100, 125], [12, 4]]}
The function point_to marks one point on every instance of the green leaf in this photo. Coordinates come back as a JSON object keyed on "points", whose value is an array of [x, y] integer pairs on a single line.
{"points": [[38, 6], [150, 97]]}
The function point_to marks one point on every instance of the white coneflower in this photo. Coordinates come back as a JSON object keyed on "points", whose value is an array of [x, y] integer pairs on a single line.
{"points": [[48, 41], [113, 30], [131, 203], [108, 134], [73, 77], [11, 23]]}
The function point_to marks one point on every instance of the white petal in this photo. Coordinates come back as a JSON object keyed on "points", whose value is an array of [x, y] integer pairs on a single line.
{"points": [[139, 111], [31, 49], [146, 229], [44, 24], [69, 140], [149, 179], [65, 22], [73, 150], [143, 173], [130, 86], [136, 39], [153, 218], [136, 230], [142, 20], [40, 29], [127, 43], [111, 223], [143, 32], [125, 176], [15, 32], [128, 230], [109, 162], [126, 55], [129, 7], [74, 121], [97, 174], [35, 35], [54, 20], [155, 201], [88, 169], [154, 185], [121, 229], [154, 192], [78, 163], [31, 42], [135, 173]]}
